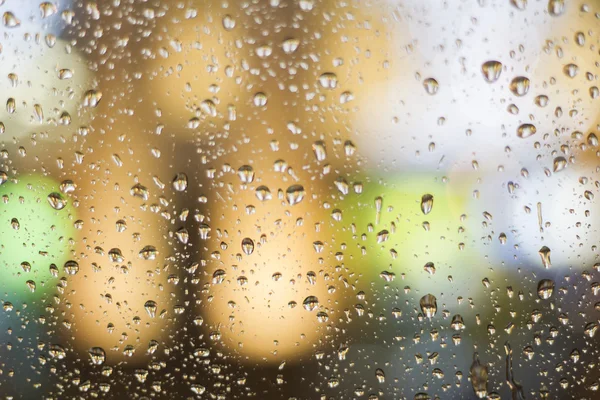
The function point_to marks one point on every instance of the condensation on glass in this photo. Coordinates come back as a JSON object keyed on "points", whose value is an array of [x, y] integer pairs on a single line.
{"points": [[299, 199]]}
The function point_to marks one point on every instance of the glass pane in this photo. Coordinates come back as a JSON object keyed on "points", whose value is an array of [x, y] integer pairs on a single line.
{"points": [[299, 199]]}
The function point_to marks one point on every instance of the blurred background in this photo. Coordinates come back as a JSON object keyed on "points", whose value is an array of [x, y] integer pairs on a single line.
{"points": [[299, 199]]}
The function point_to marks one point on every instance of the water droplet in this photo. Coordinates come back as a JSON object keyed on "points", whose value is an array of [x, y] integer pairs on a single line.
{"points": [[479, 377], [519, 4], [246, 174], [328, 80], [457, 323], [248, 246], [148, 253], [204, 231], [139, 191], [349, 148], [218, 276], [47, 9], [544, 253], [428, 305], [9, 20], [31, 285], [431, 86], [346, 97], [590, 329], [228, 22], [559, 164], [545, 289], [92, 98], [180, 182], [263, 193], [526, 130], [306, 5], [491, 70], [520, 86], [182, 235], [260, 99], [426, 203], [294, 194], [320, 150], [290, 45], [209, 108], [264, 51], [115, 255], [11, 105], [571, 70], [556, 7], [541, 100], [38, 113], [429, 268], [97, 355], [310, 303], [383, 236], [71, 267], [57, 201], [150, 307]]}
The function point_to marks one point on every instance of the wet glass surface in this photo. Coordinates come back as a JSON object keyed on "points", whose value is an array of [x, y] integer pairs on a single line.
{"points": [[299, 199]]}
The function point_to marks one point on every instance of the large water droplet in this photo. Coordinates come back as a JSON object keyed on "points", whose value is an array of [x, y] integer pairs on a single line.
{"points": [[556, 7], [526, 130], [520, 86], [545, 289], [310, 303], [431, 86], [294, 194], [428, 305], [57, 201]]}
